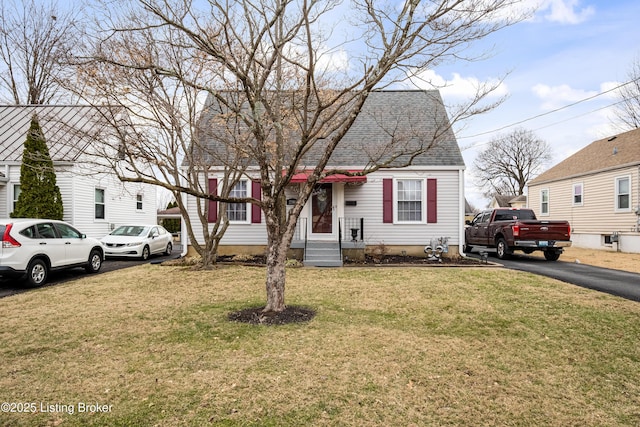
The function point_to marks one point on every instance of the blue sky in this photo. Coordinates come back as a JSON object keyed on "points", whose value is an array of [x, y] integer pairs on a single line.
{"points": [[570, 50]]}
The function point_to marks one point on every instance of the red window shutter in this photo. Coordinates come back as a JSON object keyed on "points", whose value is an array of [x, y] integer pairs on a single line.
{"points": [[256, 193], [387, 200], [213, 205], [432, 200]]}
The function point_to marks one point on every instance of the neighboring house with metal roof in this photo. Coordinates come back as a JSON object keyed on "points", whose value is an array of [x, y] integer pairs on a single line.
{"points": [[405, 209], [598, 191], [94, 200]]}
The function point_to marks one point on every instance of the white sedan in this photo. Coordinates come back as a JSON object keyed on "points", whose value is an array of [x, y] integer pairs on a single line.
{"points": [[139, 241]]}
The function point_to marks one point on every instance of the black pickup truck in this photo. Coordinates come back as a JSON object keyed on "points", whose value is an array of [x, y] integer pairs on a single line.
{"points": [[508, 230]]}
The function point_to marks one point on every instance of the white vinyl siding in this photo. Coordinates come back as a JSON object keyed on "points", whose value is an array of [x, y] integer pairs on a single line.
{"points": [[369, 206], [368, 199]]}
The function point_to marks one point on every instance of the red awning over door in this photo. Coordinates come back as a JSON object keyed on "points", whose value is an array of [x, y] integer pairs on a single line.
{"points": [[302, 177]]}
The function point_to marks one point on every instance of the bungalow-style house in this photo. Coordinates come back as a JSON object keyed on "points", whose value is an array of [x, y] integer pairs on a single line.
{"points": [[404, 209], [598, 191], [94, 200]]}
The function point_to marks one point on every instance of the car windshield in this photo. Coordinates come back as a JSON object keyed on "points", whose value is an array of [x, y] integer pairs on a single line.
{"points": [[130, 230]]}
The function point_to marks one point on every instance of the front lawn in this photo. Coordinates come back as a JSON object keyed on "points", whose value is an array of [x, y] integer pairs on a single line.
{"points": [[151, 345]]}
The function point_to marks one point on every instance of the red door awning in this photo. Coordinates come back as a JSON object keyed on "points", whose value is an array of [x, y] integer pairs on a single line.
{"points": [[301, 177]]}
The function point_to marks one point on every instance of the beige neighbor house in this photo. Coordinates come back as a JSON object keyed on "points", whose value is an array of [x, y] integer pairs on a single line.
{"points": [[598, 191]]}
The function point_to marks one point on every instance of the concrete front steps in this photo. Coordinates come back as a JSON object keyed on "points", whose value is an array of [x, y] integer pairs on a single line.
{"points": [[322, 254]]}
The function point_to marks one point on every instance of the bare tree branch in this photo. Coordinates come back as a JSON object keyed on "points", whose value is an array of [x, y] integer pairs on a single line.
{"points": [[273, 107], [510, 161], [35, 39]]}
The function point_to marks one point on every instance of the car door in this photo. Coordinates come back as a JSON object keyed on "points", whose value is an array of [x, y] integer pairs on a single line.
{"points": [[76, 248], [155, 243], [49, 244], [479, 228], [472, 230]]}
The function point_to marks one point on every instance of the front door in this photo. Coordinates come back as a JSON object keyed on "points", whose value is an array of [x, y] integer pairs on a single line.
{"points": [[322, 211]]}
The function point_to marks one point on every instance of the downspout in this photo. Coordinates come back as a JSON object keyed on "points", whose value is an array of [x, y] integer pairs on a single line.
{"points": [[184, 236], [461, 214]]}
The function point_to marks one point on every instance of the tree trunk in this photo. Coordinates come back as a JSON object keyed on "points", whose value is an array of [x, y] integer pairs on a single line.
{"points": [[279, 236], [276, 277]]}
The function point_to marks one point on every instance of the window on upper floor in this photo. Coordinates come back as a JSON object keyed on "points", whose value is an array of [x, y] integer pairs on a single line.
{"points": [[139, 202]]}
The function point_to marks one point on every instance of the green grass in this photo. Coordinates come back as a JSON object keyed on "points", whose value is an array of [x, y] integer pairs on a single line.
{"points": [[389, 346]]}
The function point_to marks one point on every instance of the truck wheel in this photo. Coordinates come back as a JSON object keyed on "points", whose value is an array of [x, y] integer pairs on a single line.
{"points": [[551, 255], [502, 249]]}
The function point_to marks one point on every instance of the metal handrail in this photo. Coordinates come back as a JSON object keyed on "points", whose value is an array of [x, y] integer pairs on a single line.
{"points": [[350, 224]]}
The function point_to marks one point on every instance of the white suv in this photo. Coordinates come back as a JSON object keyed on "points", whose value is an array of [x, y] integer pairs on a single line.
{"points": [[33, 247]]}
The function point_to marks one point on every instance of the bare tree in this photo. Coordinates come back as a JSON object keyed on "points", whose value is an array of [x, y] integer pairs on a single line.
{"points": [[153, 120], [510, 161], [35, 39], [628, 109], [281, 103]]}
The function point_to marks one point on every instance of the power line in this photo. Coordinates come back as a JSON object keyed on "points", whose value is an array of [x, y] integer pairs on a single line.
{"points": [[552, 112]]}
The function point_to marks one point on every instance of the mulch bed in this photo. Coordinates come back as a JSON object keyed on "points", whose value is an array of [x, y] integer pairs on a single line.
{"points": [[369, 260], [411, 260], [255, 316]]}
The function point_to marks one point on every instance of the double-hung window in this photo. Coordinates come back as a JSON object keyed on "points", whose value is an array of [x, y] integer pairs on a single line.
{"points": [[410, 200], [16, 193], [139, 202], [623, 193], [577, 194], [544, 201], [237, 212], [99, 203]]}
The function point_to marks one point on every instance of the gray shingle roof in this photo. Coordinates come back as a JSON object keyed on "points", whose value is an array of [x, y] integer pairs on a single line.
{"points": [[65, 128], [608, 153], [414, 115]]}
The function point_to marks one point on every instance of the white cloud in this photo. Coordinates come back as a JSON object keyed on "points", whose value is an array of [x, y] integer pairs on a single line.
{"points": [[565, 11], [333, 61], [458, 87], [558, 96]]}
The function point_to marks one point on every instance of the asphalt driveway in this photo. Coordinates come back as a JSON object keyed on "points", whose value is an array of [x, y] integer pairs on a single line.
{"points": [[13, 286], [615, 282]]}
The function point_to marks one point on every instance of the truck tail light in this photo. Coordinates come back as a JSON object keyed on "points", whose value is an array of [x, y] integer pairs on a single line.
{"points": [[516, 230], [7, 240], [569, 231]]}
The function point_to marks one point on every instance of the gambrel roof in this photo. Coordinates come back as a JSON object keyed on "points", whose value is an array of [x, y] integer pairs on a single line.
{"points": [[418, 114], [66, 128], [610, 153]]}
